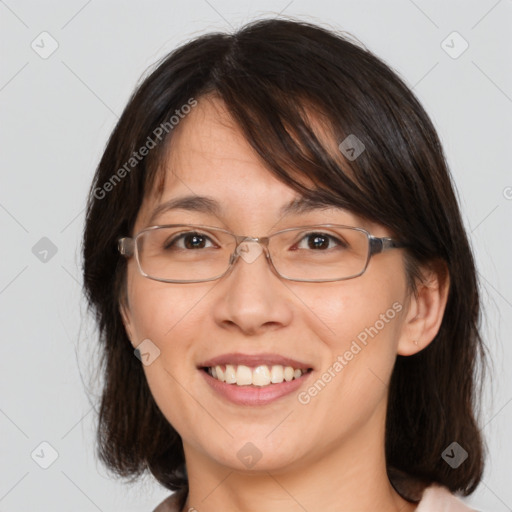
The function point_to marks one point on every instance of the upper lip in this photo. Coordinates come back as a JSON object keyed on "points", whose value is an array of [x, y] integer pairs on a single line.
{"points": [[254, 360]]}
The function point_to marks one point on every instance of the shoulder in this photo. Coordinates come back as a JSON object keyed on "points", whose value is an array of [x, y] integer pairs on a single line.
{"points": [[438, 498], [170, 504], [428, 495]]}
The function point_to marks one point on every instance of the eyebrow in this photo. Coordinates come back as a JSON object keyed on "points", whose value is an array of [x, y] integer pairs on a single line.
{"points": [[208, 205]]}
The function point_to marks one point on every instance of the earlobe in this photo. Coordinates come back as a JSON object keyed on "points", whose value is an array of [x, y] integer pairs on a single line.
{"points": [[426, 310]]}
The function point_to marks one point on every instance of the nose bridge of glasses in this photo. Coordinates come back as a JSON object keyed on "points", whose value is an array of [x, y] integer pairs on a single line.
{"points": [[249, 248]]}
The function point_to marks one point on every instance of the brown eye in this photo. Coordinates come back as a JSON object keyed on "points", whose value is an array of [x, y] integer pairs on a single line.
{"points": [[190, 241], [321, 241]]}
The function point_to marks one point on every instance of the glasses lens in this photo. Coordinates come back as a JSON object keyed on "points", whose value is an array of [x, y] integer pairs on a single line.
{"points": [[316, 253], [184, 253], [320, 253]]}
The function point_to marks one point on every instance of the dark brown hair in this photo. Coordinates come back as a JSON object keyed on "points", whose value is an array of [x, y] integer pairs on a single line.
{"points": [[270, 74]]}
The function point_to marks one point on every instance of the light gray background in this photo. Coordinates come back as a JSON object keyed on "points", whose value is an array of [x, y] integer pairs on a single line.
{"points": [[56, 116]]}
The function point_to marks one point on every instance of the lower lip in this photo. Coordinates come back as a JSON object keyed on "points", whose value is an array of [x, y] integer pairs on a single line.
{"points": [[254, 395]]}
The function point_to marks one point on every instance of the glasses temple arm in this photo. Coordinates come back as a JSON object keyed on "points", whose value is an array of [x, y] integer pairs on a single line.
{"points": [[382, 244], [126, 246]]}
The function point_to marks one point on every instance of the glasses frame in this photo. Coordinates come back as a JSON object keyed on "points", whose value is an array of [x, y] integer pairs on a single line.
{"points": [[128, 247]]}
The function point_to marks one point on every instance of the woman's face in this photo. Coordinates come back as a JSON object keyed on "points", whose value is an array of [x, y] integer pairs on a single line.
{"points": [[348, 332]]}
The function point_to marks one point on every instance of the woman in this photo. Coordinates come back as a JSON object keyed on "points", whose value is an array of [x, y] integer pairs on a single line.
{"points": [[285, 292]]}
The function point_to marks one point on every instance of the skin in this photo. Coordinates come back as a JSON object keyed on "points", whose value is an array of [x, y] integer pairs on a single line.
{"points": [[328, 454]]}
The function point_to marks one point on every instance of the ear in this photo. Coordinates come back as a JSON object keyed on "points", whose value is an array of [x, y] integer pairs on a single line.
{"points": [[426, 307], [125, 315]]}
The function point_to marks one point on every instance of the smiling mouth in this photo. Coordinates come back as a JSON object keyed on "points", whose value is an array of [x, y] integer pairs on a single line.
{"points": [[262, 375]]}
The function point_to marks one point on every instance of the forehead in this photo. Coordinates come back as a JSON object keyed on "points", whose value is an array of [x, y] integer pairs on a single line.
{"points": [[209, 148], [209, 140], [209, 156], [211, 170]]}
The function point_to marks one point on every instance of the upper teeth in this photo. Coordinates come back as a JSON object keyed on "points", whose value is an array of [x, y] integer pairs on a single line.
{"points": [[242, 375]]}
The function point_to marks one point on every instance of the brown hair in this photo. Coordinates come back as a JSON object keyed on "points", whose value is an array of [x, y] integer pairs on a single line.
{"points": [[269, 74]]}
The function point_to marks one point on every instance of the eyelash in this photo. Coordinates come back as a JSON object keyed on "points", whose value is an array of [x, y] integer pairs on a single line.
{"points": [[182, 236]]}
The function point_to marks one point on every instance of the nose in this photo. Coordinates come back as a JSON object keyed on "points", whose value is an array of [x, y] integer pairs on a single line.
{"points": [[252, 297]]}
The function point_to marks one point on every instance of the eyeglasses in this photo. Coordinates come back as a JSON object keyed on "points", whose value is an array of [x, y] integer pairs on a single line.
{"points": [[187, 253]]}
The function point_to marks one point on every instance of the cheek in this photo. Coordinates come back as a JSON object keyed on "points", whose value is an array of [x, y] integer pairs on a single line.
{"points": [[158, 308], [357, 309], [169, 317], [359, 323]]}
